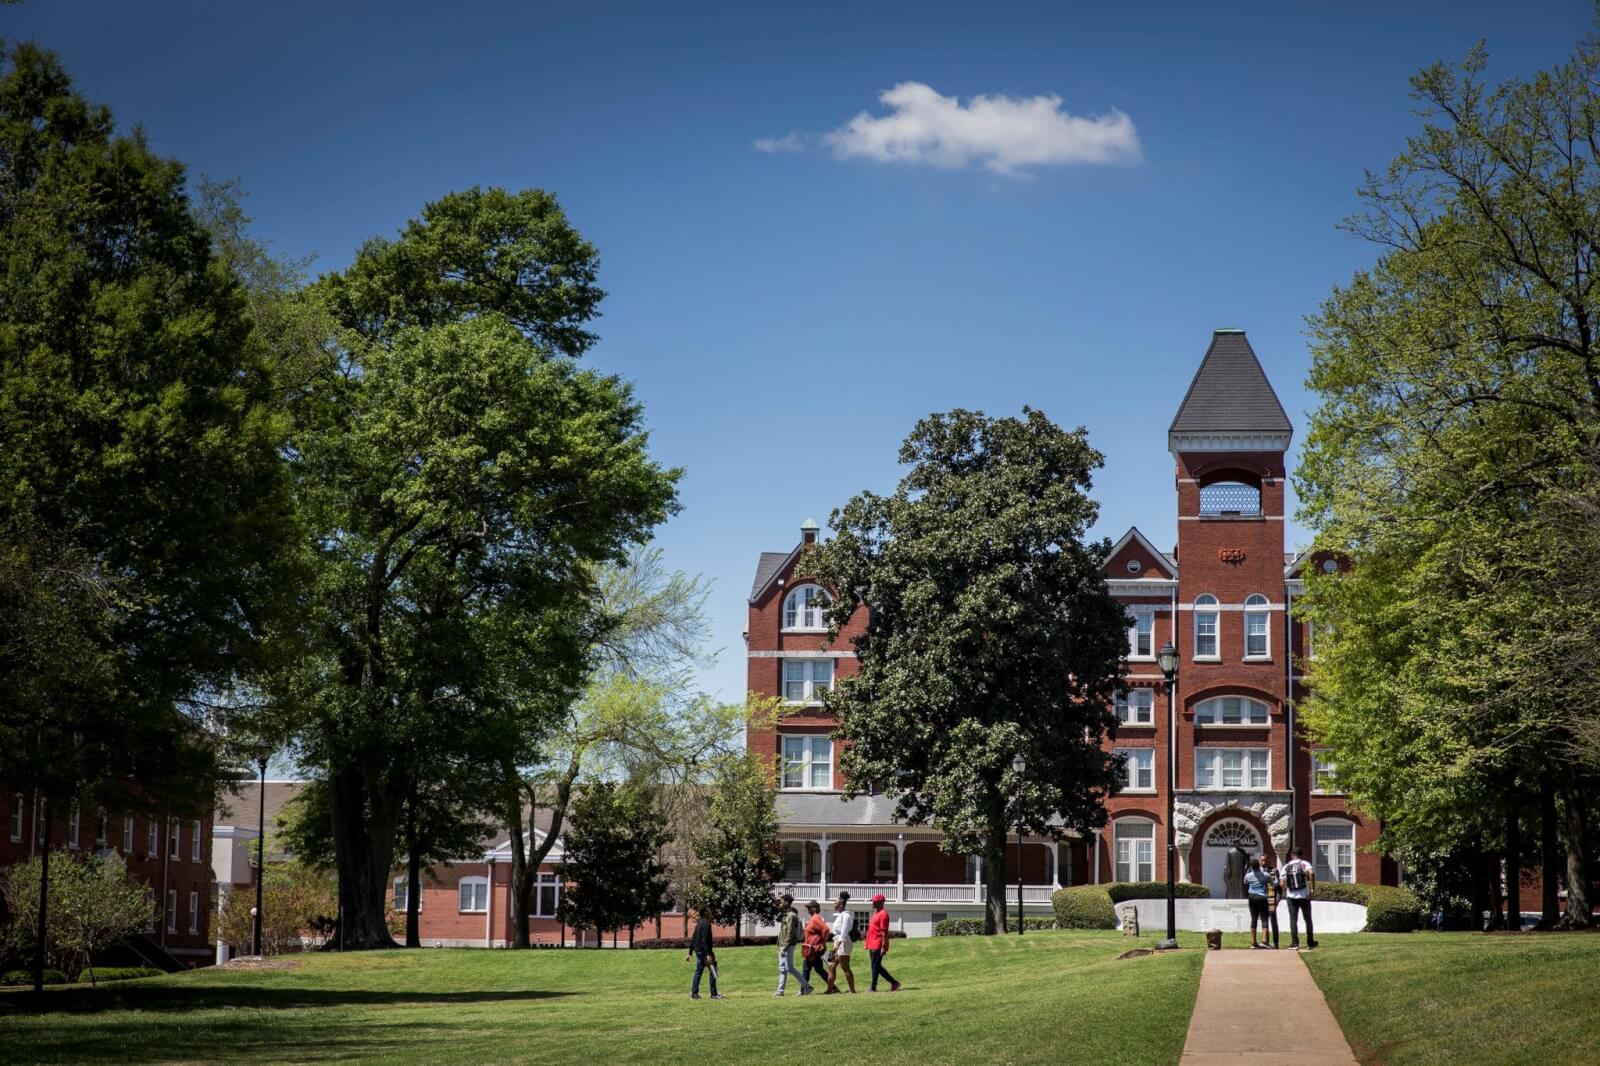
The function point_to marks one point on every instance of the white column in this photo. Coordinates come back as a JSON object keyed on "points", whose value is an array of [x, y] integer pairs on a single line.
{"points": [[488, 917], [1054, 848], [977, 880], [822, 874], [900, 867], [1097, 856]]}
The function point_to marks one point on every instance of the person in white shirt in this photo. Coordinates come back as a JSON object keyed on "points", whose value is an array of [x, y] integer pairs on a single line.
{"points": [[1298, 878], [843, 929]]}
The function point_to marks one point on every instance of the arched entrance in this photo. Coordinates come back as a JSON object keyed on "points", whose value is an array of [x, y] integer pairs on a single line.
{"points": [[1221, 838]]}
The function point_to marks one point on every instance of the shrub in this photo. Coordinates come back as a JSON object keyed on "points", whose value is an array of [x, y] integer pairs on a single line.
{"points": [[1392, 910], [25, 977], [974, 926], [1122, 891], [1339, 892], [119, 973], [1084, 907]]}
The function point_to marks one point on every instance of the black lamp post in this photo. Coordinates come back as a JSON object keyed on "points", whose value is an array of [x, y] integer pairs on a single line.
{"points": [[261, 847], [1168, 658], [1018, 765]]}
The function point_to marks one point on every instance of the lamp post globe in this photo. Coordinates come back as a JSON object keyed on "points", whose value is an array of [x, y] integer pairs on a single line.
{"points": [[1018, 766], [1167, 658]]}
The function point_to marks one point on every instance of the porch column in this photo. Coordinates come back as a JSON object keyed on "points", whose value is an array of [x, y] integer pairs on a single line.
{"points": [[488, 918], [822, 874], [1097, 856], [1054, 848], [977, 881], [900, 867]]}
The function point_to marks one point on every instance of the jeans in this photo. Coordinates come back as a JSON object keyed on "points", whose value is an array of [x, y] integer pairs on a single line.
{"points": [[703, 962], [1296, 907], [813, 963], [786, 967], [879, 970]]}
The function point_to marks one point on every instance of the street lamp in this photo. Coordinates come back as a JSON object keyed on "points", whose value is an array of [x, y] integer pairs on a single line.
{"points": [[261, 845], [1018, 765], [1167, 657]]}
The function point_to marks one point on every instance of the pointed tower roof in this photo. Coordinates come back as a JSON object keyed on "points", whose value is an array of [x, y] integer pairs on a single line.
{"points": [[1230, 402]]}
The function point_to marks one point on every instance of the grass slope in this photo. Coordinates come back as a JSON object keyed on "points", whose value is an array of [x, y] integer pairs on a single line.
{"points": [[1056, 996], [1464, 998]]}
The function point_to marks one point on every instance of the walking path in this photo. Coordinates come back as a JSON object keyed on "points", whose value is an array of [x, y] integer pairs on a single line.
{"points": [[1262, 1008]]}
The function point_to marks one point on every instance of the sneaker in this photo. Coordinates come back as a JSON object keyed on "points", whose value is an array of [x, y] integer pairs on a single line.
{"points": [[694, 995], [806, 991], [715, 996], [1294, 945], [778, 995], [894, 986]]}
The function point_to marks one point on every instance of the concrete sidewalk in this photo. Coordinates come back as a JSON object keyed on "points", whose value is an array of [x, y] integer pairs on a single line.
{"points": [[1262, 1007]]}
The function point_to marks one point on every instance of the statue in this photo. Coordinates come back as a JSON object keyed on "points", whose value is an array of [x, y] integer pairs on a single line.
{"points": [[1233, 872]]}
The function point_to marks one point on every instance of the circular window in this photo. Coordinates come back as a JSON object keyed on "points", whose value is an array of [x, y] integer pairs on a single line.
{"points": [[1329, 566], [1134, 567]]}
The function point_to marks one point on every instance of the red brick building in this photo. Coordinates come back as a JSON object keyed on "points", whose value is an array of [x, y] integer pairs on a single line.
{"points": [[1225, 598], [171, 856]]}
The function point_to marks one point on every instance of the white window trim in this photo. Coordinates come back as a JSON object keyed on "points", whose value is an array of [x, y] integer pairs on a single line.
{"points": [[73, 828], [1126, 789], [152, 833], [809, 741], [1264, 611], [1317, 846], [197, 849], [821, 627], [1267, 724], [175, 843], [1213, 609], [127, 834], [541, 882], [1128, 703], [810, 683], [1134, 864], [102, 827], [1316, 789], [1139, 611], [399, 893], [473, 882], [1215, 758], [194, 912], [16, 818], [878, 853], [172, 910]]}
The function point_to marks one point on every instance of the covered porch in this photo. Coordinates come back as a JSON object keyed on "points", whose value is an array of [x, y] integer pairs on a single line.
{"points": [[908, 867]]}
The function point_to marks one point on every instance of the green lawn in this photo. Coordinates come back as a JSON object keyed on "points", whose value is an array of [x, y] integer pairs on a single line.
{"points": [[1057, 997], [1464, 998]]}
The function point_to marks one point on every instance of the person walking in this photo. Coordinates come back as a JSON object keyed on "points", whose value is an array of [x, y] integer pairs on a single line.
{"points": [[814, 948], [1274, 895], [1299, 878], [788, 939], [878, 944], [704, 953], [843, 932], [1257, 886]]}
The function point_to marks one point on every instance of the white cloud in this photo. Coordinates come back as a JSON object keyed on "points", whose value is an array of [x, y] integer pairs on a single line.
{"points": [[789, 142], [1006, 134]]}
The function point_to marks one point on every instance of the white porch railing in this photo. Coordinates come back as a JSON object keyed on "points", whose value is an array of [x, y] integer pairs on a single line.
{"points": [[861, 892], [964, 893]]}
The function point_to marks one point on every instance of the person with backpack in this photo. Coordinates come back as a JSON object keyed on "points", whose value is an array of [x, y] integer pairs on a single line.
{"points": [[1274, 896], [704, 952], [878, 944], [843, 931], [1257, 887], [1299, 878], [788, 938], [814, 947]]}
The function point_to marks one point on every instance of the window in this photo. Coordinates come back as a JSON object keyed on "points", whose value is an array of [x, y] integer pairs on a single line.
{"points": [[547, 896], [16, 818], [1323, 777], [1230, 498], [1311, 646], [402, 892], [805, 680], [1257, 633], [883, 860], [1230, 710], [1136, 706], [150, 909], [1334, 842], [172, 910], [196, 848], [1142, 634], [1138, 769], [152, 844], [102, 828], [1135, 850], [1206, 645], [72, 825], [474, 892], [794, 860], [1231, 768], [175, 839], [807, 762], [194, 912], [804, 608], [127, 834]]}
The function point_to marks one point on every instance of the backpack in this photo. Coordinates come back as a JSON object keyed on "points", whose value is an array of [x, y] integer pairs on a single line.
{"points": [[1294, 876]]}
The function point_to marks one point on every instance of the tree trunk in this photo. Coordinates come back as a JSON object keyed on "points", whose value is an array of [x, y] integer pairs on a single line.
{"points": [[1513, 865], [363, 847], [44, 900], [413, 896], [1478, 897], [994, 878], [1549, 831], [1492, 890], [525, 864], [1573, 826], [521, 883]]}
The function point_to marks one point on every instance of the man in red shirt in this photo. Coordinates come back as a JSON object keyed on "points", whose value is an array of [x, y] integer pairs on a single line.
{"points": [[878, 944]]}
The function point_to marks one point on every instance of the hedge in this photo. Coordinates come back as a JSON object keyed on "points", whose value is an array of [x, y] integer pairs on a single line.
{"points": [[1389, 909], [118, 973], [24, 977], [1083, 907], [1122, 891], [974, 926], [1340, 892]]}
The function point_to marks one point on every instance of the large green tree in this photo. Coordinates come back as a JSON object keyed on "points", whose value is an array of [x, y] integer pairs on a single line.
{"points": [[738, 869], [1453, 456], [612, 858], [990, 634]]}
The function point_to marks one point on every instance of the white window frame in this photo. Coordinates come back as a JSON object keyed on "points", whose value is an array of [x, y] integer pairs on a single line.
{"points": [[1129, 859], [102, 828], [1257, 612], [197, 848], [881, 852], [1144, 618], [541, 882], [401, 884], [808, 746], [16, 817], [194, 912], [1210, 713], [1324, 773], [468, 899], [152, 833], [1208, 611], [127, 834], [795, 850], [175, 844], [1142, 700], [1322, 841], [808, 681], [1311, 645], [73, 833], [172, 910], [150, 902], [808, 611], [1210, 763], [1138, 762]]}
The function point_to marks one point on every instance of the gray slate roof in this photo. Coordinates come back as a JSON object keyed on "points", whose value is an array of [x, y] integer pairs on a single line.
{"points": [[769, 564], [1230, 392], [830, 809]]}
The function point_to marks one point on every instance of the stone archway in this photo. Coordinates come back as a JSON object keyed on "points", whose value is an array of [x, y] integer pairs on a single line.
{"points": [[1225, 834], [1195, 814]]}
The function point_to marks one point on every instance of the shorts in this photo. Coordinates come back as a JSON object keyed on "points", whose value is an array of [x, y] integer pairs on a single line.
{"points": [[841, 948], [1259, 909]]}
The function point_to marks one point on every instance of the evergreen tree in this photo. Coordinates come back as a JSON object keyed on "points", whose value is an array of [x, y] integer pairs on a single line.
{"points": [[612, 867], [739, 867]]}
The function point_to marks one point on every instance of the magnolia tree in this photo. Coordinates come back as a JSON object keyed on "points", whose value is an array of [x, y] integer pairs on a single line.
{"points": [[298, 903], [92, 905], [738, 868]]}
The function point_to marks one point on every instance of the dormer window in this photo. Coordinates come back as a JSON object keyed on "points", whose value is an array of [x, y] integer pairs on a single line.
{"points": [[805, 608], [1230, 499]]}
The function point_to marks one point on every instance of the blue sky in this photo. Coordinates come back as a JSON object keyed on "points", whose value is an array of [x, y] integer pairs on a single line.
{"points": [[788, 315]]}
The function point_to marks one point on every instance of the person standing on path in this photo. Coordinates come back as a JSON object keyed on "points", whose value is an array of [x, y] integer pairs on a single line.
{"points": [[814, 947], [788, 938], [1257, 886], [843, 930], [704, 953], [1274, 896], [1299, 878], [878, 944]]}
